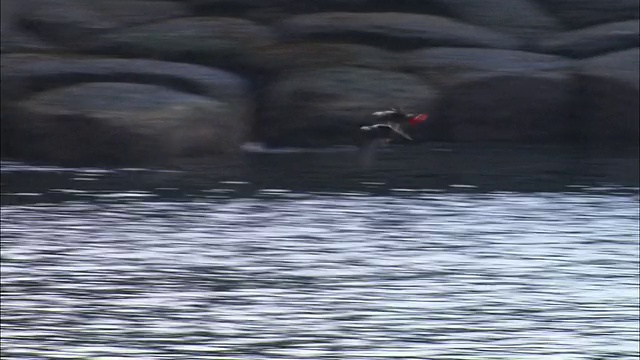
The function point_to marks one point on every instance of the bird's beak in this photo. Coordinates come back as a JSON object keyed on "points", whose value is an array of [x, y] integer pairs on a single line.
{"points": [[418, 119]]}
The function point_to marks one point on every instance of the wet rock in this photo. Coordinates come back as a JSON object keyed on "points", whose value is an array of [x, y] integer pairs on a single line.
{"points": [[594, 40], [119, 123], [325, 106], [582, 13], [75, 23], [495, 95], [214, 41], [392, 30], [521, 18], [607, 107]]}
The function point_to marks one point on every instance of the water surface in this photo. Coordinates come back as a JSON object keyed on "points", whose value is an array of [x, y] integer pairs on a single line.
{"points": [[434, 252]]}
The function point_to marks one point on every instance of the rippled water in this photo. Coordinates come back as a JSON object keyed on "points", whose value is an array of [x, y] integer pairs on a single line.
{"points": [[432, 254]]}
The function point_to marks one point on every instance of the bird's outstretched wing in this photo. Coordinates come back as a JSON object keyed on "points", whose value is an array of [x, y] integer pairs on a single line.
{"points": [[384, 112]]}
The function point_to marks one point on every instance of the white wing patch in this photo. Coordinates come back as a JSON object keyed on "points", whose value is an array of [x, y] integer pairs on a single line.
{"points": [[383, 113]]}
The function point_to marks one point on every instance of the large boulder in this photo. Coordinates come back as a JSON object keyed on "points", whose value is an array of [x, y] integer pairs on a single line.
{"points": [[607, 106], [214, 41], [582, 13], [30, 82], [448, 66], [25, 74], [392, 30], [521, 18], [325, 106], [75, 22], [495, 95], [120, 123], [594, 40]]}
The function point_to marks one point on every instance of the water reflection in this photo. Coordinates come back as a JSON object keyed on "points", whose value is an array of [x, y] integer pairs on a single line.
{"points": [[194, 264]]}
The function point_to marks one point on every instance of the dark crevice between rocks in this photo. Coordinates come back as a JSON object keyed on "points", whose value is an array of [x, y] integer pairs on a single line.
{"points": [[233, 63], [53, 34], [226, 9], [270, 12], [380, 41], [408, 6], [32, 30], [61, 36], [585, 17]]}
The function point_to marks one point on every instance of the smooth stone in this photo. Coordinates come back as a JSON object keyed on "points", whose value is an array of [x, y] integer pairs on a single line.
{"points": [[120, 123]]}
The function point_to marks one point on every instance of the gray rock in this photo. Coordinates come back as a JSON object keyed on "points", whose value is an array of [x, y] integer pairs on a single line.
{"points": [[594, 40], [581, 13], [495, 95], [214, 41], [446, 67], [24, 74], [120, 123], [392, 30], [521, 18], [325, 106], [17, 41], [75, 22], [607, 107]]}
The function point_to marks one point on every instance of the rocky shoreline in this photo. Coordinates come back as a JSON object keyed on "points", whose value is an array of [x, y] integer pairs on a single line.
{"points": [[142, 80]]}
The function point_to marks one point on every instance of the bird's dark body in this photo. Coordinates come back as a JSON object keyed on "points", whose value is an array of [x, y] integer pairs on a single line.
{"points": [[393, 117]]}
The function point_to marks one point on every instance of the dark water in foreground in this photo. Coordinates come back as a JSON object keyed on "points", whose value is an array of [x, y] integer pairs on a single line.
{"points": [[433, 253]]}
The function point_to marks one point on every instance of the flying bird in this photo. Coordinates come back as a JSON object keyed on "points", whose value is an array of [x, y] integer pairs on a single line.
{"points": [[392, 124]]}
